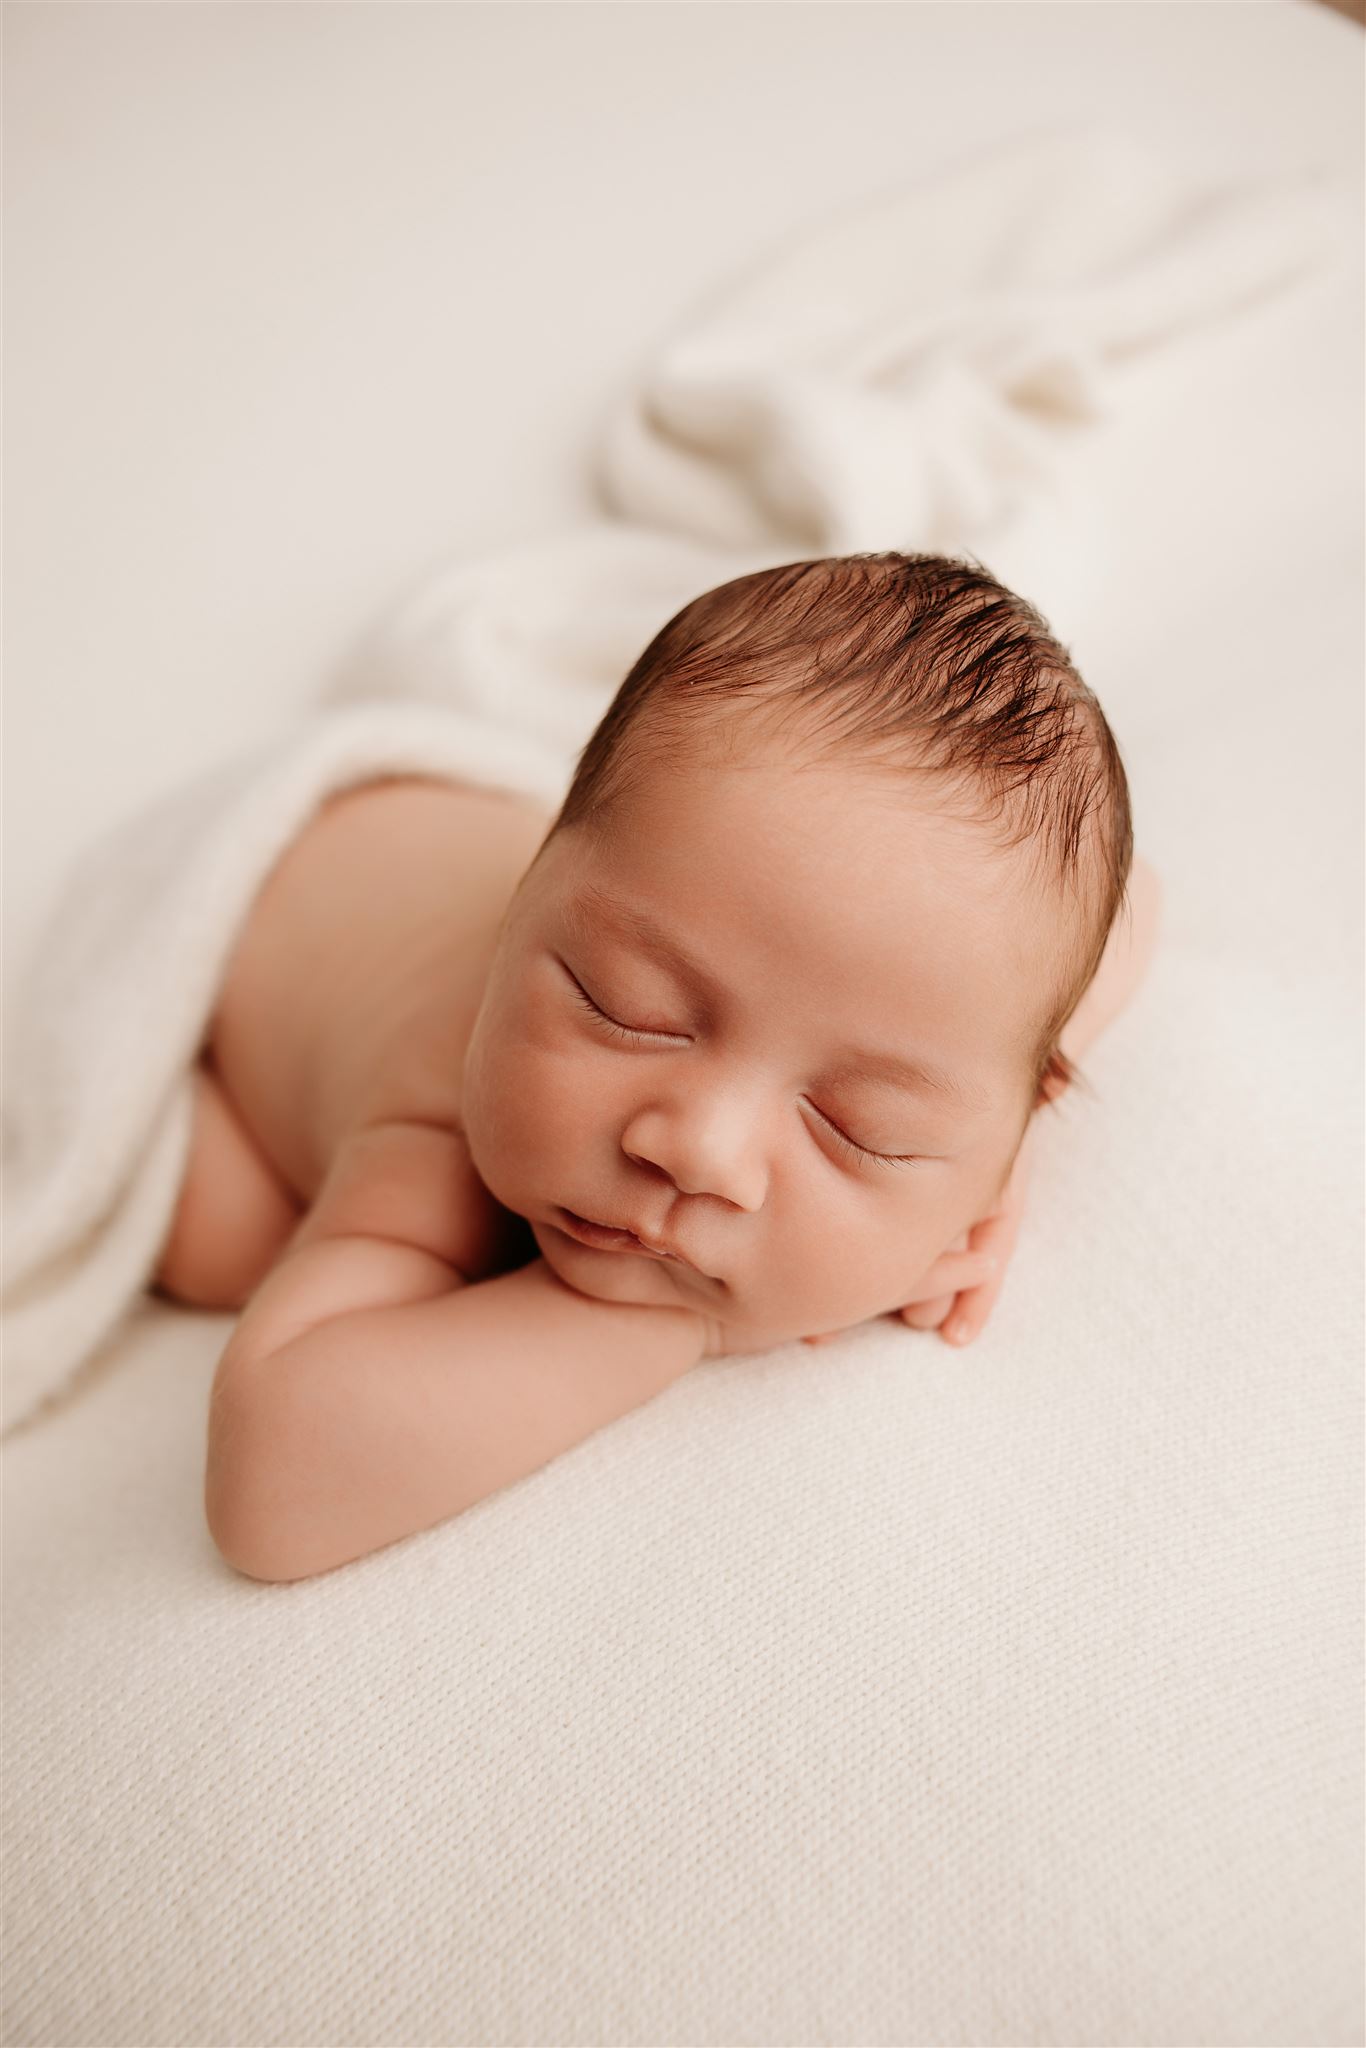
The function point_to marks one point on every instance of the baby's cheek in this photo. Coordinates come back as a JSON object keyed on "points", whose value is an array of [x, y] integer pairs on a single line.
{"points": [[854, 1268], [505, 1119], [535, 1124]]}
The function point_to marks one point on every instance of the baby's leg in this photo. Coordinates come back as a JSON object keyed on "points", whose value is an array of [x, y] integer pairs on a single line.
{"points": [[234, 1216]]}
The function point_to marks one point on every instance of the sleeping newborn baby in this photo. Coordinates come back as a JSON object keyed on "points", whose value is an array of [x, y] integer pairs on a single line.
{"points": [[747, 1052]]}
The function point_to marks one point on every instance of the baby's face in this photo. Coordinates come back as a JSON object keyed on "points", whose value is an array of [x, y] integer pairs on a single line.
{"points": [[814, 930]]}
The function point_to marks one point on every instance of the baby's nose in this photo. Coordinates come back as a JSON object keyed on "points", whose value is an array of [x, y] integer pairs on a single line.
{"points": [[702, 1152]]}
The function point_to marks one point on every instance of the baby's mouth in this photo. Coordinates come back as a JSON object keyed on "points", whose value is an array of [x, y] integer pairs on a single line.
{"points": [[603, 1237]]}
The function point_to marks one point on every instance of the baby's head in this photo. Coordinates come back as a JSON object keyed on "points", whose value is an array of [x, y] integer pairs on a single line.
{"points": [[786, 980]]}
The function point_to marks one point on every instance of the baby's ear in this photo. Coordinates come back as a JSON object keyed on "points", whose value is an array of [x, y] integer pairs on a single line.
{"points": [[1057, 1076]]}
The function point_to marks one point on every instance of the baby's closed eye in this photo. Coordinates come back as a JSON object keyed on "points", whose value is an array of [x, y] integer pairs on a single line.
{"points": [[868, 1152], [635, 1033]]}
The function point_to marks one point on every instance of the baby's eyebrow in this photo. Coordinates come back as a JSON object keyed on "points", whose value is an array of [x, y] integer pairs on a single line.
{"points": [[917, 1075], [592, 905], [920, 1076]]}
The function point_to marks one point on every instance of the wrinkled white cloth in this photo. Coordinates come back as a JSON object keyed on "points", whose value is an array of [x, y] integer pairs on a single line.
{"points": [[910, 375]]}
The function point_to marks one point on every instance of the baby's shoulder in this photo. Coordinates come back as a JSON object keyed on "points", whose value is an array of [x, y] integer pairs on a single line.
{"points": [[353, 985], [448, 845]]}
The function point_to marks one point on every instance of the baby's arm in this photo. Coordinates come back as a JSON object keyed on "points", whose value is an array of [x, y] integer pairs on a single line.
{"points": [[379, 1422]]}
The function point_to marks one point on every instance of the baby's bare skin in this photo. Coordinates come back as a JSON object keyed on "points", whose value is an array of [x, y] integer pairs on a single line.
{"points": [[346, 1004], [384, 1013], [351, 994]]}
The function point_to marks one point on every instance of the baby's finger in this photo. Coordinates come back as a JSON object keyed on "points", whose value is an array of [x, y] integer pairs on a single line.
{"points": [[927, 1315], [952, 1272], [970, 1312]]}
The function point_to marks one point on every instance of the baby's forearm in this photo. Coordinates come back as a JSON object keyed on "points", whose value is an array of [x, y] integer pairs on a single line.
{"points": [[387, 1421], [1125, 962]]}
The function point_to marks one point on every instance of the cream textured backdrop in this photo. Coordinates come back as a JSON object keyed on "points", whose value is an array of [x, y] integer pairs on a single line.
{"points": [[873, 1695]]}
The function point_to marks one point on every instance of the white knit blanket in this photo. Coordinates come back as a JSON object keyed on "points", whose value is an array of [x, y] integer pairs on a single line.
{"points": [[909, 375]]}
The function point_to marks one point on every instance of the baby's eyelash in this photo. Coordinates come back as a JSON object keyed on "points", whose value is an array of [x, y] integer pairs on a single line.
{"points": [[582, 997], [624, 1031], [862, 1151]]}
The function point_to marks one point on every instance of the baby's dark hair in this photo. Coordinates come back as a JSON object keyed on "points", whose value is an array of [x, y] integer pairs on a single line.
{"points": [[917, 660]]}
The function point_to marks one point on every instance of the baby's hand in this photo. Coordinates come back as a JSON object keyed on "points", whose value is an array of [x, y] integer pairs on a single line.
{"points": [[960, 1315]]}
